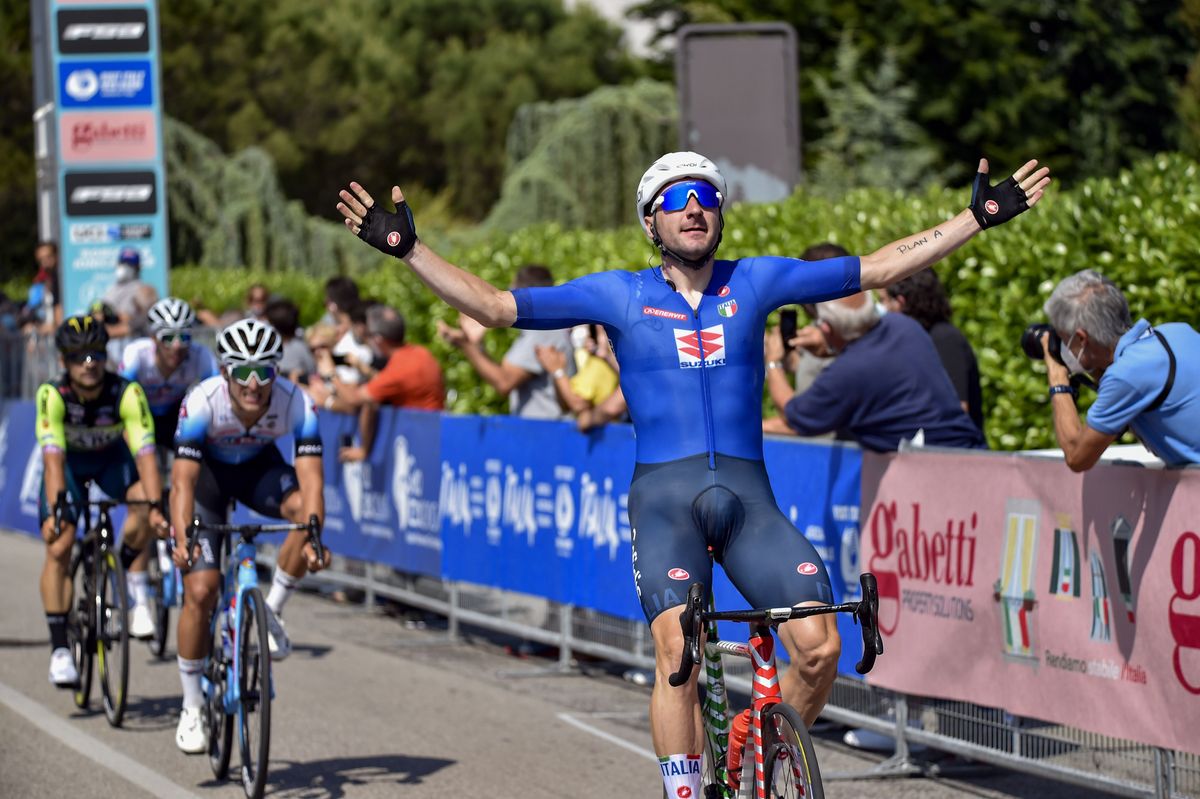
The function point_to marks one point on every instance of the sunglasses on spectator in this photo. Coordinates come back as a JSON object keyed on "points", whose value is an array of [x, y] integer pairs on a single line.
{"points": [[262, 373], [675, 198], [174, 337], [85, 356]]}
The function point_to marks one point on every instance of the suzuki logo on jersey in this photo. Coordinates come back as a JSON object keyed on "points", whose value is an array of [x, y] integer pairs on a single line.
{"points": [[706, 350]]}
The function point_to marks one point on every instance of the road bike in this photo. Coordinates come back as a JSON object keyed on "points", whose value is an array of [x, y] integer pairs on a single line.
{"points": [[237, 671], [97, 622], [770, 735], [166, 591]]}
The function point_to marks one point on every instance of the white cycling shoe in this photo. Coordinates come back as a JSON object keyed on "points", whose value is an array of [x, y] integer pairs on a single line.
{"points": [[190, 735], [141, 622], [62, 668], [277, 637]]}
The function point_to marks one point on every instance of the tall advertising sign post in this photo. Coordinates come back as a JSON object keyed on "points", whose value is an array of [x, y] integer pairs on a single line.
{"points": [[111, 177]]}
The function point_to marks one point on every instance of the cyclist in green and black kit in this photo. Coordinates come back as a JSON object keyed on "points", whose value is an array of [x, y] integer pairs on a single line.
{"points": [[82, 418]]}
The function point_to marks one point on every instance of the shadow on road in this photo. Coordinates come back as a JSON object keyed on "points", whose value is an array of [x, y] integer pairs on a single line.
{"points": [[24, 643], [151, 713], [327, 779]]}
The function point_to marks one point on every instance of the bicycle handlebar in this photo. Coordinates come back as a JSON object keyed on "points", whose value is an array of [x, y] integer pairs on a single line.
{"points": [[865, 611], [313, 527]]}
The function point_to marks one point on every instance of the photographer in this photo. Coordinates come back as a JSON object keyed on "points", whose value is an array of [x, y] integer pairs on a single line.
{"points": [[1148, 377]]}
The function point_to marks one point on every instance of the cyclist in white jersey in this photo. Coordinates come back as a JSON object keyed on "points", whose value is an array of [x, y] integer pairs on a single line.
{"points": [[225, 449], [165, 365]]}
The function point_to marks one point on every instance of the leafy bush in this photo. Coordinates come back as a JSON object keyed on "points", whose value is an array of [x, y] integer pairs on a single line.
{"points": [[1141, 228]]}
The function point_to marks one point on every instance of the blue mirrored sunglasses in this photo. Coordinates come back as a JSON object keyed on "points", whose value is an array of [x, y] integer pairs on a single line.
{"points": [[174, 336], [675, 198]]}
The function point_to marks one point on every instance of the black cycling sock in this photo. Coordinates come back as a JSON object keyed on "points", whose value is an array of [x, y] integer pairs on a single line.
{"points": [[128, 555], [57, 622]]}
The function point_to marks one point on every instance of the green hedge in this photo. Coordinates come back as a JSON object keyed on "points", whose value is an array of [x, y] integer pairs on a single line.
{"points": [[1141, 228]]}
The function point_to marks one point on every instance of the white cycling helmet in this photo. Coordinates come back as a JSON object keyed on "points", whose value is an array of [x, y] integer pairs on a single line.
{"points": [[170, 313], [249, 341], [669, 169]]}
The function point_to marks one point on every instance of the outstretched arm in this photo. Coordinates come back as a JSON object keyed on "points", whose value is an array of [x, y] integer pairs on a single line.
{"points": [[990, 205], [394, 234]]}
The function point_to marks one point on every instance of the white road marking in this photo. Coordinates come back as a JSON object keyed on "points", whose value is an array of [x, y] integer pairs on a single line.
{"points": [[612, 739], [103, 754]]}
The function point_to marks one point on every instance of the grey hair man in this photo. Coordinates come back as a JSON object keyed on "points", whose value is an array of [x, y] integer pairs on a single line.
{"points": [[1147, 377]]}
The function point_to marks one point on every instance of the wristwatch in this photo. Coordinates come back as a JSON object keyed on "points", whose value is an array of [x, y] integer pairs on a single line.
{"points": [[774, 364], [557, 373], [1061, 389]]}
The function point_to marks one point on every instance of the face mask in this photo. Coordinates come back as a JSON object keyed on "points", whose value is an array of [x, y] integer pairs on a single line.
{"points": [[1070, 360], [579, 337], [125, 273]]}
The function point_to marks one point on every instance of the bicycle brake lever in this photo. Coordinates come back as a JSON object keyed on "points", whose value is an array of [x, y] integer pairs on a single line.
{"points": [[314, 537], [689, 621], [191, 540], [868, 617]]}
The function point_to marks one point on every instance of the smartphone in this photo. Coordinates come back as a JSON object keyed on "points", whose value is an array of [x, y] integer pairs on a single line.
{"points": [[787, 327], [339, 360]]}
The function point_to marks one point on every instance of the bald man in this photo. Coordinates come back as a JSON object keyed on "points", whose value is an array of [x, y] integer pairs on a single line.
{"points": [[886, 385]]}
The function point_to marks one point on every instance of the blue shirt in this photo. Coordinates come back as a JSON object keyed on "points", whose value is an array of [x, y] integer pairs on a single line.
{"points": [[693, 380], [1135, 379], [886, 386]]}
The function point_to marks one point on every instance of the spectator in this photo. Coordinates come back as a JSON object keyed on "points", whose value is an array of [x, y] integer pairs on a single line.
{"points": [[352, 358], [922, 297], [529, 387], [43, 310], [297, 360], [254, 307], [1149, 377], [411, 378], [594, 378], [887, 384], [124, 306], [341, 294]]}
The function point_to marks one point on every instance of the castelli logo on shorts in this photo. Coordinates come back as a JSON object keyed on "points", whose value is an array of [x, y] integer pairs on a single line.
{"points": [[807, 568], [992, 207], [684, 792], [393, 239], [678, 574]]}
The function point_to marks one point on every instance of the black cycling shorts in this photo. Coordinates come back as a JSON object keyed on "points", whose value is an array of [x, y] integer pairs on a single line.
{"points": [[679, 509], [112, 469], [261, 484]]}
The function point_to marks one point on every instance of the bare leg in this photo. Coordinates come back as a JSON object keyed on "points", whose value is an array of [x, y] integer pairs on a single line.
{"points": [[674, 712], [813, 644]]}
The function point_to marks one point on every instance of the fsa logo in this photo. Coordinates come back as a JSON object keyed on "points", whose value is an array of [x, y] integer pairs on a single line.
{"points": [[705, 349]]}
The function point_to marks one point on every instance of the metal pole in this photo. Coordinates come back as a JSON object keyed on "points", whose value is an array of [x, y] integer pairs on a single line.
{"points": [[565, 613], [452, 615]]}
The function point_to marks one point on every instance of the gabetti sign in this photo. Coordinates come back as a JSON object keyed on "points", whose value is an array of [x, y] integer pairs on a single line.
{"points": [[109, 113], [109, 30], [1011, 582]]}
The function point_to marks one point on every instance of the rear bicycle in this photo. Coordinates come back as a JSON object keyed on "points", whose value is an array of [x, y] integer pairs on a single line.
{"points": [[164, 586]]}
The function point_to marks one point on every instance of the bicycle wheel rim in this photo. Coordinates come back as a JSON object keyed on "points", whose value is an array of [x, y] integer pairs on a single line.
{"points": [[218, 723], [158, 609], [112, 636], [80, 636], [254, 686], [790, 769]]}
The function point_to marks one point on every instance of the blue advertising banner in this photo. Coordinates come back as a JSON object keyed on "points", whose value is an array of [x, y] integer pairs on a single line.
{"points": [[111, 174], [536, 507], [20, 467]]}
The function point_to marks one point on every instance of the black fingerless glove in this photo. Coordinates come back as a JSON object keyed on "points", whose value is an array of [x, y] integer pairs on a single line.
{"points": [[995, 205], [391, 234]]}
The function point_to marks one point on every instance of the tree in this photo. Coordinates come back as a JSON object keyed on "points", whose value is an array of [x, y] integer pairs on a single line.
{"points": [[18, 178]]}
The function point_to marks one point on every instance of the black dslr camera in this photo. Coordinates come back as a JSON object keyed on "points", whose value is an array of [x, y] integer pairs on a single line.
{"points": [[1031, 342]]}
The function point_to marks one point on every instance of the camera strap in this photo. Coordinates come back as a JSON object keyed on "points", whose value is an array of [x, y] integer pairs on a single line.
{"points": [[1166, 389]]}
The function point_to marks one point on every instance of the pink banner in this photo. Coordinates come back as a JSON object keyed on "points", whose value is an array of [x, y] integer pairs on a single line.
{"points": [[1012, 582], [90, 136]]}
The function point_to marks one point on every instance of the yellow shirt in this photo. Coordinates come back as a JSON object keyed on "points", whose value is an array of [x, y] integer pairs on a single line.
{"points": [[594, 379]]}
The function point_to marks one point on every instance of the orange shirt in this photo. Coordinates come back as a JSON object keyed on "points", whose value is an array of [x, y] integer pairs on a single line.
{"points": [[412, 378]]}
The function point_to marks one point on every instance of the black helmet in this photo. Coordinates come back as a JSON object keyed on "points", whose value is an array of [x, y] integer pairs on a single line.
{"points": [[80, 334]]}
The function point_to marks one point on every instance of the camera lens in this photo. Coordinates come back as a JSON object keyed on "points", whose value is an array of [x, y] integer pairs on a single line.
{"points": [[1031, 341]]}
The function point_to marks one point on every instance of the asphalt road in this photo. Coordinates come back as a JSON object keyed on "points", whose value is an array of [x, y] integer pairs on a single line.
{"points": [[369, 707]]}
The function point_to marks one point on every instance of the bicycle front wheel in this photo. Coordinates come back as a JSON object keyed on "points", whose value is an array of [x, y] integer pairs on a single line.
{"points": [[791, 762], [81, 636], [158, 608], [112, 635], [254, 685]]}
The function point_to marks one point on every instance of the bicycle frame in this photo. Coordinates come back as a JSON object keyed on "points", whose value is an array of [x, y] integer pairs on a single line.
{"points": [[239, 577]]}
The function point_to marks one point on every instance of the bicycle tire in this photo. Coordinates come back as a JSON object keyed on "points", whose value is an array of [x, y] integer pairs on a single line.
{"points": [[112, 636], [791, 768], [218, 723], [254, 686], [80, 628], [159, 609]]}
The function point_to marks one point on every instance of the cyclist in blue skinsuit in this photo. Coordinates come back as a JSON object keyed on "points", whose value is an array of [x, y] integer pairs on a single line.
{"points": [[688, 336]]}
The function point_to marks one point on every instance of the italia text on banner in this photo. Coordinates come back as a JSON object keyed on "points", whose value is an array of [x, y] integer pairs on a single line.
{"points": [[1012, 582]]}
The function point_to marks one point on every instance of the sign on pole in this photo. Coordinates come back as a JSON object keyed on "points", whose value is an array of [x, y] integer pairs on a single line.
{"points": [[111, 176]]}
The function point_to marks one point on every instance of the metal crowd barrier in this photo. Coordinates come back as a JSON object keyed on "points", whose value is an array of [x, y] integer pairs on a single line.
{"points": [[974, 732]]}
